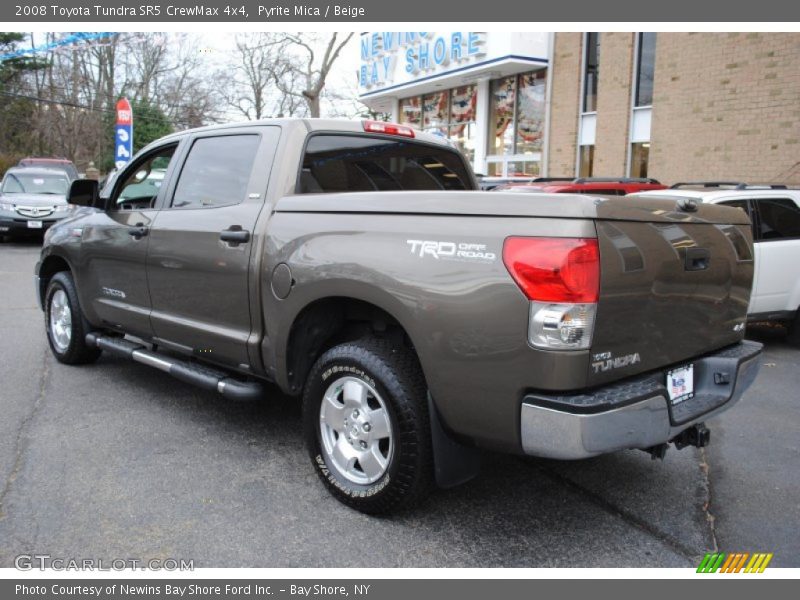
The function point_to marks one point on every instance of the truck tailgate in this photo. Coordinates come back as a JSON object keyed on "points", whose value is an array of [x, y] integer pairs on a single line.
{"points": [[671, 289]]}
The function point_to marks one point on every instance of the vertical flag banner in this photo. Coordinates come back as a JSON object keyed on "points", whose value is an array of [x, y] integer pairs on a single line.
{"points": [[123, 134]]}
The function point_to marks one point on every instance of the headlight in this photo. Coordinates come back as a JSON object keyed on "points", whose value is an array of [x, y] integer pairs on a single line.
{"points": [[6, 206], [62, 208]]}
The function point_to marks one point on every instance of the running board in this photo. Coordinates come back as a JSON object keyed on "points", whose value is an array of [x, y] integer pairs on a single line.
{"points": [[190, 372]]}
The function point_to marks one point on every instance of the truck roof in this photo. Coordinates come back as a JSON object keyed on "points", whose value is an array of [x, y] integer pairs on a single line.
{"points": [[332, 125]]}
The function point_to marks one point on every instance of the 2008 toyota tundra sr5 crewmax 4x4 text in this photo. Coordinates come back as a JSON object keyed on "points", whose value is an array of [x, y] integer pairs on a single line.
{"points": [[354, 265]]}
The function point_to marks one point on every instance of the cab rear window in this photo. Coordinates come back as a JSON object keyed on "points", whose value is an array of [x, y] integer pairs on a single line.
{"points": [[357, 163]]}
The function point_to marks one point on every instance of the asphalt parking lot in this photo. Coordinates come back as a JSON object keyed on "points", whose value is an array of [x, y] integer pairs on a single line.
{"points": [[116, 460]]}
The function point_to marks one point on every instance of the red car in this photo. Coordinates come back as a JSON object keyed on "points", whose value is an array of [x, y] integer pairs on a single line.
{"points": [[615, 186]]}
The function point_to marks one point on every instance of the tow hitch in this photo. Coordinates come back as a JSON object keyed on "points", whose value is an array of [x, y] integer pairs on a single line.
{"points": [[697, 435]]}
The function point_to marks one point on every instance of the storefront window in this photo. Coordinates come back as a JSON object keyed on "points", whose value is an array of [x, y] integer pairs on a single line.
{"points": [[501, 125], [411, 111], [524, 168], [516, 126], [640, 158], [530, 112], [462, 118], [450, 114], [586, 161], [435, 112], [462, 107]]}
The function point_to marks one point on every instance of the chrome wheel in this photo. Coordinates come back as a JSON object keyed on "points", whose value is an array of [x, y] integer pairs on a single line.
{"points": [[356, 430], [60, 321]]}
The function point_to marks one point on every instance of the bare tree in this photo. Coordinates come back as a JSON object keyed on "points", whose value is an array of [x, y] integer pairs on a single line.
{"points": [[190, 96], [300, 65], [248, 90]]}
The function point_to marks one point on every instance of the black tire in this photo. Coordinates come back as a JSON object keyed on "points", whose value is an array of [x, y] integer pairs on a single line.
{"points": [[76, 351], [396, 376]]}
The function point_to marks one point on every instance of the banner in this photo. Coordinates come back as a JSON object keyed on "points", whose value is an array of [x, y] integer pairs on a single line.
{"points": [[123, 134]]}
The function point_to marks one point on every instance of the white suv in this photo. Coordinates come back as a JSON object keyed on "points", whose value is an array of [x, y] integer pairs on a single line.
{"points": [[775, 213]]}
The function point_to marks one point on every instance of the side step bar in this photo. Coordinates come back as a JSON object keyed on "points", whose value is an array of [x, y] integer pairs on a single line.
{"points": [[190, 372]]}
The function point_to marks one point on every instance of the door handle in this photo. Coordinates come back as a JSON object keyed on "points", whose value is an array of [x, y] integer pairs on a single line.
{"points": [[235, 235], [138, 231], [697, 259]]}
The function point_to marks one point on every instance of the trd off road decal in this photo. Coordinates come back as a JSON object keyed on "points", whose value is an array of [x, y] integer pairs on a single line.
{"points": [[439, 250]]}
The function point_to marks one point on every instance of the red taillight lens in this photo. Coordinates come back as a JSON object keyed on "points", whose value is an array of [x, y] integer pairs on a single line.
{"points": [[554, 269], [388, 128]]}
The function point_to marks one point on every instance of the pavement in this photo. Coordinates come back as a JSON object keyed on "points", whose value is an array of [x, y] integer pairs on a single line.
{"points": [[117, 460]]}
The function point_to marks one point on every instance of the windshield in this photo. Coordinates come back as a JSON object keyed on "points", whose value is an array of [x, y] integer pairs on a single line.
{"points": [[30, 183]]}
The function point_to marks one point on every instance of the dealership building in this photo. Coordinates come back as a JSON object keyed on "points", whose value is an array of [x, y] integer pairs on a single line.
{"points": [[673, 106]]}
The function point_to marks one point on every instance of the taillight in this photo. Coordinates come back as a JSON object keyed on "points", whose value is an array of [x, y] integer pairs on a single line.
{"points": [[388, 128], [561, 278], [554, 269]]}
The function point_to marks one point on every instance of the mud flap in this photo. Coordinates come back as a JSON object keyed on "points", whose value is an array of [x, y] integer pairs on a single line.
{"points": [[454, 463]]}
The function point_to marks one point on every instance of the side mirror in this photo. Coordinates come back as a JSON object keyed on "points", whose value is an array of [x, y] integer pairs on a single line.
{"points": [[84, 192]]}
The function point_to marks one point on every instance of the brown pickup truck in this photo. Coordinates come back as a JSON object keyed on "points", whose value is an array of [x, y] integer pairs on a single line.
{"points": [[354, 265]]}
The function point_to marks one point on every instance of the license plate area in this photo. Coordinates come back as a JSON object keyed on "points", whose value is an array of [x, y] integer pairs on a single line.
{"points": [[680, 384], [34, 224]]}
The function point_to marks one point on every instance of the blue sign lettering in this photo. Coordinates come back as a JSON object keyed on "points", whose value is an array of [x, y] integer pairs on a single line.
{"points": [[455, 45], [440, 51]]}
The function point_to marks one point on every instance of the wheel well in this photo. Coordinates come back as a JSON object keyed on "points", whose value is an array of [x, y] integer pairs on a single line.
{"points": [[50, 266], [331, 321]]}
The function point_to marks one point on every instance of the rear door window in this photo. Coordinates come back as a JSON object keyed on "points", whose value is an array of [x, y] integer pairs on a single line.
{"points": [[216, 172], [353, 163], [779, 218]]}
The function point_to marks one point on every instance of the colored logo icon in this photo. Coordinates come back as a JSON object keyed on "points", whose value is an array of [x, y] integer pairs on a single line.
{"points": [[737, 562]]}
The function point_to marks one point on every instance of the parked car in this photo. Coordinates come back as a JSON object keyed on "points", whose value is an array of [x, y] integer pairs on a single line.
{"points": [[613, 186], [774, 212], [354, 265], [61, 164], [490, 182], [32, 199]]}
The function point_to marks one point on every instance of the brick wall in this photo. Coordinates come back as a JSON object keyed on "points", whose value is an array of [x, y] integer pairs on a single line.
{"points": [[727, 106], [613, 104], [565, 79]]}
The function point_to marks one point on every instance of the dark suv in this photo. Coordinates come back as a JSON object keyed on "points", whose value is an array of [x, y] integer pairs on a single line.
{"points": [[613, 186]]}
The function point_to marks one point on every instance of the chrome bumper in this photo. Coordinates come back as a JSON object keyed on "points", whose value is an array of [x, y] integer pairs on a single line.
{"points": [[635, 413]]}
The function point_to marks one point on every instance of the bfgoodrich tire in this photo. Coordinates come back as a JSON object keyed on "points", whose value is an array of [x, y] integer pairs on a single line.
{"points": [[65, 324], [367, 427]]}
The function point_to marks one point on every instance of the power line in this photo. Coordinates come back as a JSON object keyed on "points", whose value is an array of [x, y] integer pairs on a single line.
{"points": [[74, 105], [113, 97]]}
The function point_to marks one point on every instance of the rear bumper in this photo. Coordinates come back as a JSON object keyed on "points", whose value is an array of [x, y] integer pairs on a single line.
{"points": [[635, 413]]}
